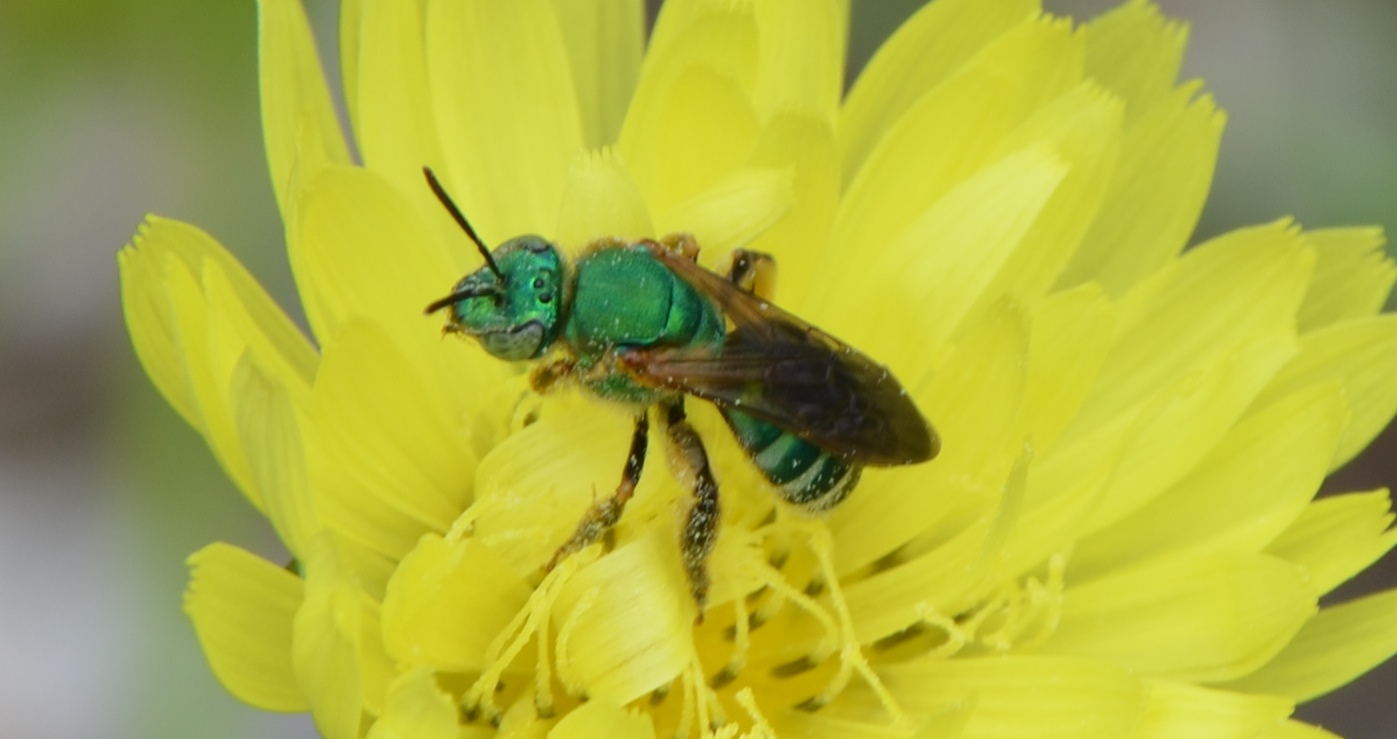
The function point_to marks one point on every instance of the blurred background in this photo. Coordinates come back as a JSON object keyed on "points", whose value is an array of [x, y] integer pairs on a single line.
{"points": [[110, 110]]}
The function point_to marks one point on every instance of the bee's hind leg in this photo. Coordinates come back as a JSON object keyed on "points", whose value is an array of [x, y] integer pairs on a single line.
{"points": [[605, 513], [753, 271], [701, 527]]}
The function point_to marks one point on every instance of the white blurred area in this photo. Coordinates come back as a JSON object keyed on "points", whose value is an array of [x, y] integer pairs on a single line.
{"points": [[150, 105]]}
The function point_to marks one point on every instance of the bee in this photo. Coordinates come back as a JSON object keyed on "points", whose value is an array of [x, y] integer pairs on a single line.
{"points": [[642, 323]]}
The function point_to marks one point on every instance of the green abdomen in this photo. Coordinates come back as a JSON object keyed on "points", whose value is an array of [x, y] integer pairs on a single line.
{"points": [[803, 473], [625, 298]]}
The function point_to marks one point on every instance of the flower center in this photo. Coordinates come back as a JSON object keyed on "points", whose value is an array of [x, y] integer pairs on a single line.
{"points": [[788, 643]]}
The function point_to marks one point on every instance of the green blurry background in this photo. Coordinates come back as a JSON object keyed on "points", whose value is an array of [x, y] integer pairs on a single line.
{"points": [[109, 110]]}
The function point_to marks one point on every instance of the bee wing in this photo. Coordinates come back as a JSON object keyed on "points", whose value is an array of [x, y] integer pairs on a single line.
{"points": [[782, 370]]}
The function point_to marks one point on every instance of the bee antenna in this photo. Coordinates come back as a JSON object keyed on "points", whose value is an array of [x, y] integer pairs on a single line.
{"points": [[456, 297], [461, 221]]}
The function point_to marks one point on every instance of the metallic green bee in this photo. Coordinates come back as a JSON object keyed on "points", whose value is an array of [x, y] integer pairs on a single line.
{"points": [[640, 322]]}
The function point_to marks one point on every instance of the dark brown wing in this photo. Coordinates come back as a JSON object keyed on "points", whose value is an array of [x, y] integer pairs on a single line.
{"points": [[782, 370]]}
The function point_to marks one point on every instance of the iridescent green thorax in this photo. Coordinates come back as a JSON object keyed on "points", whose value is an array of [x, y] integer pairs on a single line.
{"points": [[517, 314], [625, 298]]}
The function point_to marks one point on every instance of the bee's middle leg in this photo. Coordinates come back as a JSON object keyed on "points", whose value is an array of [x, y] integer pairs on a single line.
{"points": [[701, 526], [605, 513]]}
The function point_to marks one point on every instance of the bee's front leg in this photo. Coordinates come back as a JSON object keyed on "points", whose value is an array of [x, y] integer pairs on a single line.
{"points": [[701, 527], [605, 513], [545, 376]]}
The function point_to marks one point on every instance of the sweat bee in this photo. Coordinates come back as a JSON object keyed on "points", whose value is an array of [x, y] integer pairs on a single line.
{"points": [[642, 323]]}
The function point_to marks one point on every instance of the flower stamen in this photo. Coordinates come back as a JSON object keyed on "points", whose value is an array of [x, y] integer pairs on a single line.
{"points": [[851, 657], [741, 643], [760, 726], [531, 620]]}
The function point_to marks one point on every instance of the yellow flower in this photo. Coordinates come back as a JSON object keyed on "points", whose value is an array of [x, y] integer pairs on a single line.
{"points": [[1118, 539]]}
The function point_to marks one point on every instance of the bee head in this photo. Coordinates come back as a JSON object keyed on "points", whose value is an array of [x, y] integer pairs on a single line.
{"points": [[513, 304]]}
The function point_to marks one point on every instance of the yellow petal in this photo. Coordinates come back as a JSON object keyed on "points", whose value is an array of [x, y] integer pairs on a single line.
{"points": [[733, 211], [1362, 355], [242, 608], [1182, 710], [1155, 197], [394, 125], [1018, 696], [953, 133], [298, 120], [690, 131], [714, 33], [1084, 128], [1204, 619], [534, 487], [152, 313], [1234, 289], [447, 601], [209, 372], [600, 200], [943, 580], [261, 332], [417, 709], [975, 402], [1353, 277], [270, 432], [1162, 439], [153, 326], [360, 249], [386, 463], [602, 718], [629, 621], [925, 50], [960, 243], [1136, 52], [801, 62], [1070, 338], [604, 41], [947, 722], [1337, 537], [1336, 646], [326, 639], [376, 669], [802, 143], [508, 128], [1249, 489]]}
